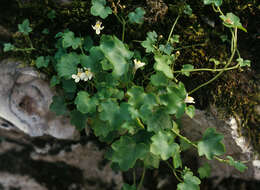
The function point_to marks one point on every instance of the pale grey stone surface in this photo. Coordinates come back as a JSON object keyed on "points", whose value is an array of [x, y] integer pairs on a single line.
{"points": [[25, 97]]}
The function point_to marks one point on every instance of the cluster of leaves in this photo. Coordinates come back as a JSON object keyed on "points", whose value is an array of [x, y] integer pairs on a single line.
{"points": [[140, 122]]}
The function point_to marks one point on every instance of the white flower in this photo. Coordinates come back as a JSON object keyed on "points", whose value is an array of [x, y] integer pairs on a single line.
{"points": [[98, 27], [189, 100], [77, 76], [86, 75], [138, 64]]}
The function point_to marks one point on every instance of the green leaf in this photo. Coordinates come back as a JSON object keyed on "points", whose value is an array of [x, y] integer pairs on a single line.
{"points": [[232, 21], [238, 165], [45, 31], [78, 119], [187, 10], [167, 49], [162, 63], [116, 53], [137, 16], [84, 103], [52, 14], [99, 8], [126, 151], [25, 27], [211, 145], [87, 43], [150, 42], [163, 145], [128, 187], [58, 105], [186, 69], [69, 86], [110, 111], [177, 158], [67, 65], [92, 61], [156, 120], [159, 79], [101, 128], [151, 160], [190, 111], [42, 62], [175, 39], [204, 171], [69, 40], [8, 47], [173, 100], [243, 63], [136, 96], [190, 182], [216, 2], [54, 81]]}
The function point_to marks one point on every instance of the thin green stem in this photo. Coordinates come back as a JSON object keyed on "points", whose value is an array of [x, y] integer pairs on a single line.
{"points": [[173, 171], [24, 49], [140, 123], [206, 69], [142, 180], [29, 40], [123, 32], [173, 26], [219, 10], [226, 66], [185, 139]]}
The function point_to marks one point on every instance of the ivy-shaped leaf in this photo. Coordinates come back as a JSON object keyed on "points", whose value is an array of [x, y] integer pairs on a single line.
{"points": [[69, 40], [173, 100], [78, 119], [159, 79], [150, 41], [69, 86], [84, 103], [211, 144], [190, 111], [216, 2], [67, 65], [186, 69], [8, 47], [167, 48], [25, 27], [137, 16], [163, 145], [162, 63], [190, 182], [126, 151], [238, 165], [187, 10], [128, 187], [116, 53], [243, 63], [42, 62], [54, 81], [204, 171], [232, 21], [58, 105], [99, 8]]}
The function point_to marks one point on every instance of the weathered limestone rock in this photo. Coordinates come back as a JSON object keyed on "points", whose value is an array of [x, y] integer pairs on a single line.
{"points": [[236, 145], [25, 98], [46, 163]]}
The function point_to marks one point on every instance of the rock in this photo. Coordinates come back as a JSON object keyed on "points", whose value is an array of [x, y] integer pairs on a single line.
{"points": [[46, 163], [25, 97], [237, 146]]}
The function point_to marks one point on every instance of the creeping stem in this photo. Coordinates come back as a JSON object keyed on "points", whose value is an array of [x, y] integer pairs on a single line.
{"points": [[226, 66], [173, 26]]}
